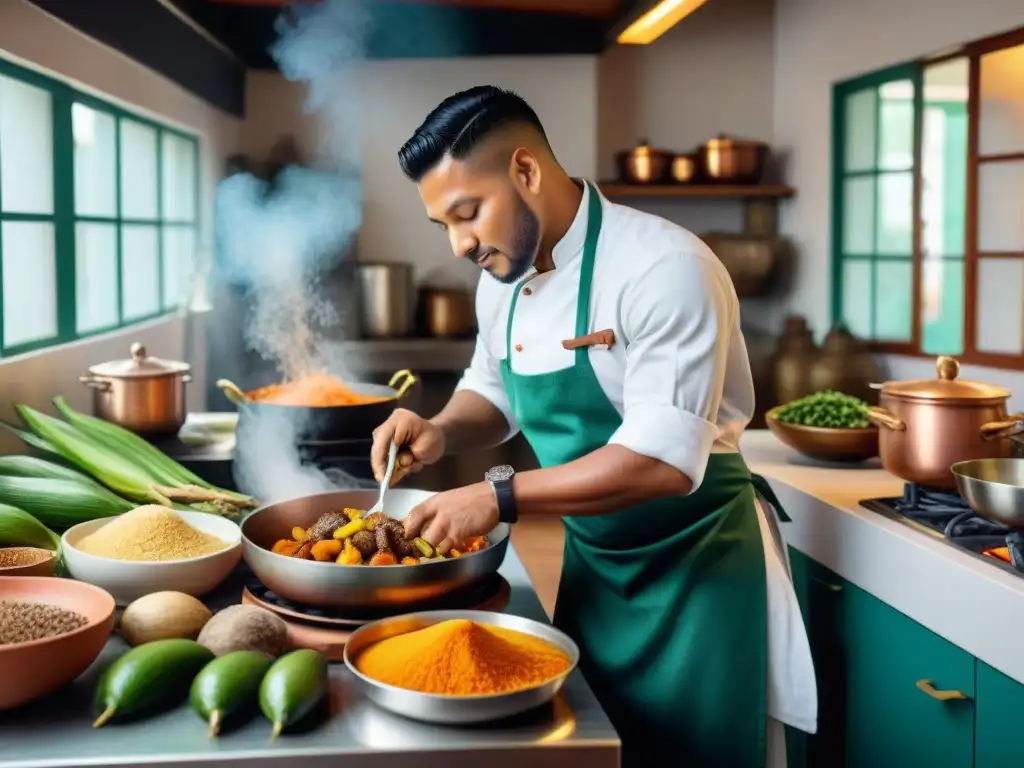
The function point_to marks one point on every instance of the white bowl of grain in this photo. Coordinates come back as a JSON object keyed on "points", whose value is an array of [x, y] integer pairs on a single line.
{"points": [[153, 549]]}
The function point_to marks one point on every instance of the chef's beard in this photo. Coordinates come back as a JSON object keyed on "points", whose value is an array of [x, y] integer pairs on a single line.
{"points": [[525, 244]]}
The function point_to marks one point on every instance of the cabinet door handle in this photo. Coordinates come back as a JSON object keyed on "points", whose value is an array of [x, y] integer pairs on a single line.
{"points": [[828, 586], [935, 693]]}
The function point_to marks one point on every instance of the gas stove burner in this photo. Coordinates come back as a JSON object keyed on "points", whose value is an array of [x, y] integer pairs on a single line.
{"points": [[945, 513]]}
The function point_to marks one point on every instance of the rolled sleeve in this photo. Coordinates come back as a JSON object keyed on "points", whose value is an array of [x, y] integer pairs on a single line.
{"points": [[484, 378], [678, 317]]}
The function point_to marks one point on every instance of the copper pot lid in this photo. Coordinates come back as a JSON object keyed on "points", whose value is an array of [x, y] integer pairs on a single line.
{"points": [[139, 365], [947, 387], [725, 141]]}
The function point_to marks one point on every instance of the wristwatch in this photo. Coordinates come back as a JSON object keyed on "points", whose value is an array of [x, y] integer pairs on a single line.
{"points": [[500, 479]]}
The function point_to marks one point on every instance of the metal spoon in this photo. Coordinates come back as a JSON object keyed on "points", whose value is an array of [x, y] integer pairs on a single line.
{"points": [[232, 391], [386, 482]]}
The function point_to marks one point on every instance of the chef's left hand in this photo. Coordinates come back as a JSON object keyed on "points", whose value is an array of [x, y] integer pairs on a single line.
{"points": [[446, 520]]}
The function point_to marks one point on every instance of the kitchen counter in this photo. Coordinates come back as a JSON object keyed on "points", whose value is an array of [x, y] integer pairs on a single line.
{"points": [[57, 731], [385, 356], [972, 603]]}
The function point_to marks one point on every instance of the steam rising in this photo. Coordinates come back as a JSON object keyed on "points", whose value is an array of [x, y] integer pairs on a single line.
{"points": [[278, 239]]}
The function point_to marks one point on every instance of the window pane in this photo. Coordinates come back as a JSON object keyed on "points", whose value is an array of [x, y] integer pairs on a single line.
{"points": [[942, 307], [95, 276], [894, 291], [95, 162], [895, 214], [859, 216], [896, 126], [140, 271], [944, 159], [860, 130], [1001, 102], [857, 297], [179, 178], [138, 171], [179, 258], [999, 312], [26, 148], [30, 282], [1000, 205]]}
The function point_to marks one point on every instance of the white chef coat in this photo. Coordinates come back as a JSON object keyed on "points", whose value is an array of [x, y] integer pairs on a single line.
{"points": [[678, 372]]}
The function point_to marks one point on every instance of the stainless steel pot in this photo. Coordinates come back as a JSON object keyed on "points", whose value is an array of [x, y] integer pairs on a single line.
{"points": [[144, 394], [387, 300], [927, 426], [395, 587], [994, 488]]}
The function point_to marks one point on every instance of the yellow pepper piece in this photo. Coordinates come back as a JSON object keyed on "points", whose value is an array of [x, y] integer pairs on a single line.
{"points": [[349, 554], [326, 550], [423, 546], [350, 529], [354, 514], [298, 534]]}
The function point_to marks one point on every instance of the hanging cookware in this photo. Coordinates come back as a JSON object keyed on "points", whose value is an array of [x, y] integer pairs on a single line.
{"points": [[368, 409], [144, 394], [927, 426], [733, 161], [644, 165]]}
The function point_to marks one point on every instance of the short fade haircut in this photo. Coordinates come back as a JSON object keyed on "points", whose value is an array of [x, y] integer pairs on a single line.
{"points": [[459, 123]]}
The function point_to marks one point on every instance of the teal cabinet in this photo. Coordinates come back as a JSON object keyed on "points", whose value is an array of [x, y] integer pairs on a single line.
{"points": [[999, 718], [890, 691], [908, 693]]}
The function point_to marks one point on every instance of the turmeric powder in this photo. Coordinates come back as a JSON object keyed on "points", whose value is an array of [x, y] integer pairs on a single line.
{"points": [[463, 658]]}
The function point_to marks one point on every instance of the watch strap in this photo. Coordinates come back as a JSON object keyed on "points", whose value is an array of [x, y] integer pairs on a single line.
{"points": [[506, 498]]}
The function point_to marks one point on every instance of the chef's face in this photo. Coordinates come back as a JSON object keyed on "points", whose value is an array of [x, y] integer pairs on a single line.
{"points": [[485, 216]]}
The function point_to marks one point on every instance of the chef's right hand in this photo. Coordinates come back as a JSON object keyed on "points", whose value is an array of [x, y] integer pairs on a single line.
{"points": [[420, 443]]}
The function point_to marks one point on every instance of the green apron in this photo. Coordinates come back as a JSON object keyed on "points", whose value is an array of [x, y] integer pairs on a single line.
{"points": [[667, 600]]}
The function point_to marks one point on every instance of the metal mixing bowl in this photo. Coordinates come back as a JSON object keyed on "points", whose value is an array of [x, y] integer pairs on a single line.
{"points": [[994, 488], [456, 710], [357, 586]]}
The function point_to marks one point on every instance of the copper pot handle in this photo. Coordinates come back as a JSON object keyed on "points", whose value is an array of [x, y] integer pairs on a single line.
{"points": [[93, 383], [884, 419], [1003, 430]]}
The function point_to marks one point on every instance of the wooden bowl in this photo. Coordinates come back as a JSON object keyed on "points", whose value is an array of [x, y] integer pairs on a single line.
{"points": [[34, 561], [826, 443], [37, 668]]}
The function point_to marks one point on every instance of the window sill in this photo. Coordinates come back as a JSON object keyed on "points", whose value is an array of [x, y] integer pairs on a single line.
{"points": [[983, 359]]}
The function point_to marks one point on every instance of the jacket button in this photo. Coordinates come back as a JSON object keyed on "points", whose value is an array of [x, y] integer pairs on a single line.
{"points": [[527, 292], [519, 347]]}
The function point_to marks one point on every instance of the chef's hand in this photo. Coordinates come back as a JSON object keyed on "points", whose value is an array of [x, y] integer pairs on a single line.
{"points": [[421, 443], [447, 519]]}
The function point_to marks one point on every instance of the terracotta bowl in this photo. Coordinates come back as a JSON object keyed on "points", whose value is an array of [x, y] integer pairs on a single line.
{"points": [[37, 562], [37, 668], [826, 443]]}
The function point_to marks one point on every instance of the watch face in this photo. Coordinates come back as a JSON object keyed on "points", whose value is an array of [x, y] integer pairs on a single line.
{"points": [[497, 474]]}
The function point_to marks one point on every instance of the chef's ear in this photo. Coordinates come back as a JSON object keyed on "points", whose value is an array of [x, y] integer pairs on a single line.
{"points": [[525, 169]]}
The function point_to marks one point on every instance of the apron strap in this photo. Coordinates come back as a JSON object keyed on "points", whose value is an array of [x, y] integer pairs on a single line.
{"points": [[595, 213], [765, 490], [508, 325]]}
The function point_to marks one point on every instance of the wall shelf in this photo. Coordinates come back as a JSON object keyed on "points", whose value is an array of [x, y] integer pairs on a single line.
{"points": [[749, 191]]}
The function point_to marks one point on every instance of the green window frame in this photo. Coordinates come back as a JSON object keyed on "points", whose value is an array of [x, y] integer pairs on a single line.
{"points": [[65, 220], [874, 176]]}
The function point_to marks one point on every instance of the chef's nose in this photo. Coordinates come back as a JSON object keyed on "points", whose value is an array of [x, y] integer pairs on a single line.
{"points": [[463, 243]]}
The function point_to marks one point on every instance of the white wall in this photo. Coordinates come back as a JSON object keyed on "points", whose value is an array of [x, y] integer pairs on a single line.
{"points": [[818, 43], [395, 97], [32, 38]]}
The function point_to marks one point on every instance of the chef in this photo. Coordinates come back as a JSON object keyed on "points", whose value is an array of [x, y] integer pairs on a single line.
{"points": [[611, 339]]}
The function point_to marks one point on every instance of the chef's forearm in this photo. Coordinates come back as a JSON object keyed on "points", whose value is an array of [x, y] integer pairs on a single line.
{"points": [[606, 480], [470, 422]]}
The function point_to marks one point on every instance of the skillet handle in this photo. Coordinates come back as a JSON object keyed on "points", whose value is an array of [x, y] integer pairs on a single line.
{"points": [[407, 379]]}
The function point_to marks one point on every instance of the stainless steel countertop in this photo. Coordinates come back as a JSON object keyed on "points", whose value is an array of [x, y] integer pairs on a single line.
{"points": [[57, 731]]}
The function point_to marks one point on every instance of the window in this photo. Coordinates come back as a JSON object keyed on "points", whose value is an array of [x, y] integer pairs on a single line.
{"points": [[98, 214], [928, 175]]}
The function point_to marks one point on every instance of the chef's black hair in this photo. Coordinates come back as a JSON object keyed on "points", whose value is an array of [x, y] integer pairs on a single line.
{"points": [[459, 123]]}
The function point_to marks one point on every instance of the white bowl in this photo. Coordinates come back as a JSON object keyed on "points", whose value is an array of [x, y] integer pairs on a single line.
{"points": [[128, 581]]}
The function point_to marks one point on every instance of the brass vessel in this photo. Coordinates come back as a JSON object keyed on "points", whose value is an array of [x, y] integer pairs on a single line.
{"points": [[845, 365], [795, 354]]}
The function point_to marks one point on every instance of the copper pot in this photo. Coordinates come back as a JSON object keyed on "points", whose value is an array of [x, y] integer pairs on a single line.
{"points": [[644, 165], [448, 313], [927, 426], [143, 394], [683, 169], [733, 161]]}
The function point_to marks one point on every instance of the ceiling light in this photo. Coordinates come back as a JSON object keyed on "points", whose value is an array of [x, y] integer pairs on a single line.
{"points": [[657, 21]]}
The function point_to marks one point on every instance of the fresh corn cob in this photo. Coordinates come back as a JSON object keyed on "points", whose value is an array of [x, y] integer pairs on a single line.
{"points": [[165, 470], [60, 504], [19, 529]]}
